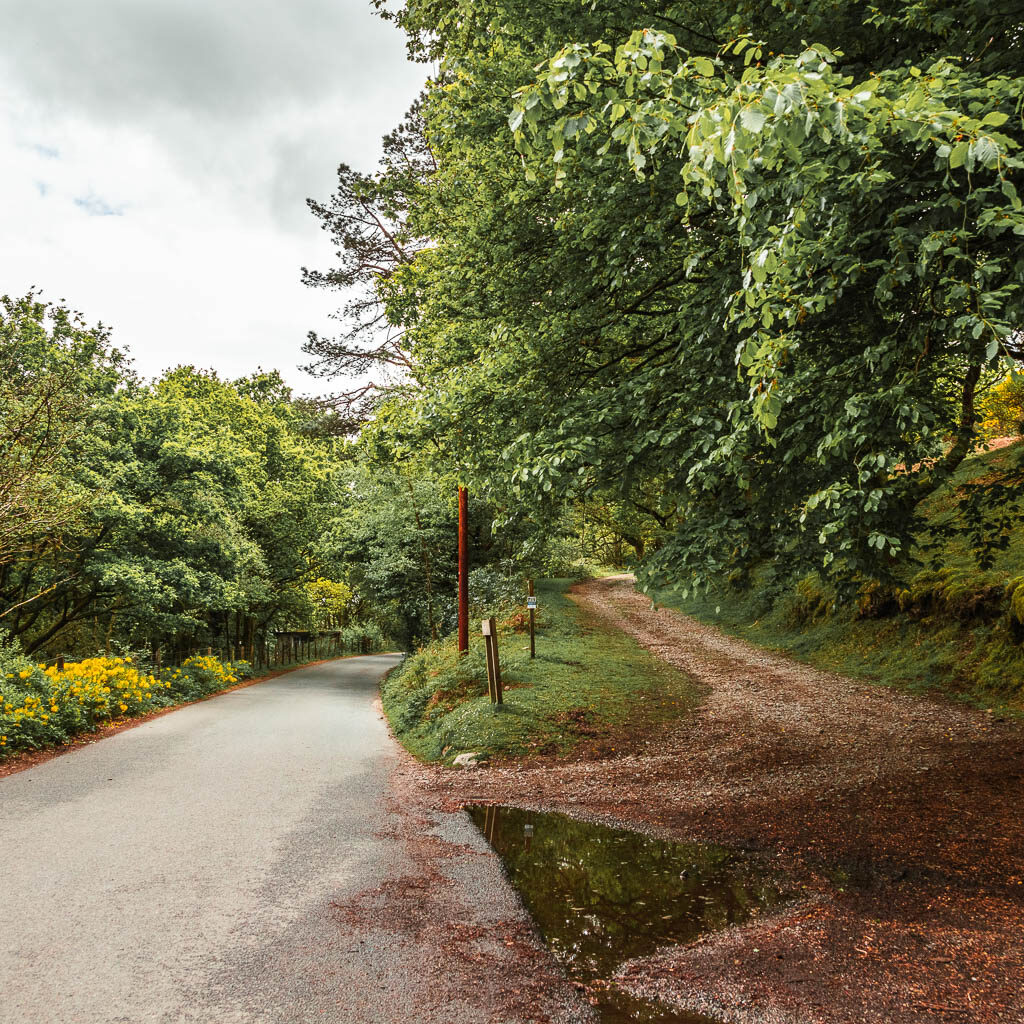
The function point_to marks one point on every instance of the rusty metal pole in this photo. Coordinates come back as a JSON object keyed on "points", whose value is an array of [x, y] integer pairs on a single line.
{"points": [[463, 573]]}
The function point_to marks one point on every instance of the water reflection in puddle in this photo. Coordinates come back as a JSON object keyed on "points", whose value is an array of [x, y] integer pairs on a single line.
{"points": [[602, 895]]}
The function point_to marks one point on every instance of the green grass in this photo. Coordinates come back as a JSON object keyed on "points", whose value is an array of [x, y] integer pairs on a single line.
{"points": [[953, 635], [588, 685]]}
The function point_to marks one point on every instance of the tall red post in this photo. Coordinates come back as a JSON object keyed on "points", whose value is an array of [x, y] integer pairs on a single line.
{"points": [[463, 573]]}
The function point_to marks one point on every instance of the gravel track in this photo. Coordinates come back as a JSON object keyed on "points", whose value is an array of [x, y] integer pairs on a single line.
{"points": [[896, 821]]}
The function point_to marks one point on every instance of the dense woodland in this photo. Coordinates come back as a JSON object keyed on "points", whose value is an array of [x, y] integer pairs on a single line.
{"points": [[699, 287]]}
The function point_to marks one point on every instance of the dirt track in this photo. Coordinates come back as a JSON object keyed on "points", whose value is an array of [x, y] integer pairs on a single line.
{"points": [[896, 819]]}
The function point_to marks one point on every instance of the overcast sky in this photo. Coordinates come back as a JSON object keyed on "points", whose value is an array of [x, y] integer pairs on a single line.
{"points": [[157, 155]]}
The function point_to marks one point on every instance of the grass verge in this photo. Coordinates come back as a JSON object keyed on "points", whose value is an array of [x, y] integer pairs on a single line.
{"points": [[591, 689]]}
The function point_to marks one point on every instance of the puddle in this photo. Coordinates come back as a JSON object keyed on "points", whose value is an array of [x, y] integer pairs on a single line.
{"points": [[600, 895]]}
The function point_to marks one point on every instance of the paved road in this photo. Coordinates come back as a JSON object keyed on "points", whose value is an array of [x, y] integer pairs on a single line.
{"points": [[183, 871]]}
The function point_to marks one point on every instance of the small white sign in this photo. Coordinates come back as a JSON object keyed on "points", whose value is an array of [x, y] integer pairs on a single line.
{"points": [[531, 602]]}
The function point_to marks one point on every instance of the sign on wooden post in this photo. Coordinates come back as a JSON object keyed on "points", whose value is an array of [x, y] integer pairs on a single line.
{"points": [[531, 604], [494, 687]]}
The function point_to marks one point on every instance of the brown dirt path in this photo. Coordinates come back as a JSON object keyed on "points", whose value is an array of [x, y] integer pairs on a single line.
{"points": [[897, 819]]}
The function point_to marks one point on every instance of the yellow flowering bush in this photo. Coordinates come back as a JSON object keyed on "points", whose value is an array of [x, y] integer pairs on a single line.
{"points": [[1002, 408], [40, 706]]}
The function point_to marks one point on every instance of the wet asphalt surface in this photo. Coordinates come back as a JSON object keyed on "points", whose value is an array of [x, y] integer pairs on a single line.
{"points": [[185, 870]]}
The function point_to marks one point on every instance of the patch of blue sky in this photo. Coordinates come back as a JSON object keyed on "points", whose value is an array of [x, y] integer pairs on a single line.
{"points": [[96, 207]]}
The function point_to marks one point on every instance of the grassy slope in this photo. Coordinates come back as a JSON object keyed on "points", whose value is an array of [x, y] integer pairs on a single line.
{"points": [[588, 684], [928, 648]]}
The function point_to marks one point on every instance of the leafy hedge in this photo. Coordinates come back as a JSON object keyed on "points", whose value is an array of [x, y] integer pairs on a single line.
{"points": [[41, 707]]}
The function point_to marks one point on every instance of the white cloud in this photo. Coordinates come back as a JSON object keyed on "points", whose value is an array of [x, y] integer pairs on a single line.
{"points": [[157, 157]]}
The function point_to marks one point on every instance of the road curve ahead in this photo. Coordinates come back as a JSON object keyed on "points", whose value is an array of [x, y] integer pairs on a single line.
{"points": [[182, 871]]}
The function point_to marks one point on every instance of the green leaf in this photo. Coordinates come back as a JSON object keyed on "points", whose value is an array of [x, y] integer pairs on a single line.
{"points": [[985, 151], [995, 119], [958, 155], [703, 66], [753, 119]]}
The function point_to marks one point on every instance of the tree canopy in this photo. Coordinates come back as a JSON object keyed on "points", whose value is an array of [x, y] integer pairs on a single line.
{"points": [[744, 269]]}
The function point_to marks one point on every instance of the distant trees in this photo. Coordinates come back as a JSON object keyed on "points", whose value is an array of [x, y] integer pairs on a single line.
{"points": [[1003, 408], [193, 511], [367, 219], [180, 513], [50, 365]]}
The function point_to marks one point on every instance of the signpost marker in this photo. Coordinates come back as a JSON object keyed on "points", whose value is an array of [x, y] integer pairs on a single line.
{"points": [[531, 603]]}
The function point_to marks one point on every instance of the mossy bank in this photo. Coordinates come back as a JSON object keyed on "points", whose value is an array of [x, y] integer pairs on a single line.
{"points": [[951, 628], [591, 689]]}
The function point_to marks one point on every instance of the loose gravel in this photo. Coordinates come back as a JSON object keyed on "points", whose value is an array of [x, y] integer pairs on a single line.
{"points": [[894, 819]]}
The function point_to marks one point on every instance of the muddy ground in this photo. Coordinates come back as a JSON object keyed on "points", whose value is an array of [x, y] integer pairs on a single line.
{"points": [[895, 820]]}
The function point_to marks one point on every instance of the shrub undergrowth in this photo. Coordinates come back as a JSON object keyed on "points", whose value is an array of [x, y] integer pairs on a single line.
{"points": [[41, 707]]}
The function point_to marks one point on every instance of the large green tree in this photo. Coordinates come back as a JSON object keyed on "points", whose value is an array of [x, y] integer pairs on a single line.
{"points": [[179, 513], [755, 259]]}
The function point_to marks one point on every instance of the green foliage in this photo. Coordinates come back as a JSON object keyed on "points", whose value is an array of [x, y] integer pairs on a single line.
{"points": [[809, 602], [1003, 408], [951, 628], [175, 514], [329, 601], [588, 684], [54, 372], [494, 588], [1015, 602], [753, 262]]}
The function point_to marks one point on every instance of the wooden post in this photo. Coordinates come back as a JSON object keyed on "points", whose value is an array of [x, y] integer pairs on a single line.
{"points": [[60, 663], [159, 661], [494, 688], [533, 620], [463, 572], [486, 630]]}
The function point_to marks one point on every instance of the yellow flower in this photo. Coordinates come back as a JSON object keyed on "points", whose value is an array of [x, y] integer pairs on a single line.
{"points": [[25, 673]]}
